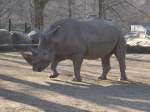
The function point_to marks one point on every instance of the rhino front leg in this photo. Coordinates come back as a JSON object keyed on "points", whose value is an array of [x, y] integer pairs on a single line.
{"points": [[106, 67], [77, 62], [53, 69]]}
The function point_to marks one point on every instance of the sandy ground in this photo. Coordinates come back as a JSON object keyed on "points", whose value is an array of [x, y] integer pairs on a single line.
{"points": [[22, 90]]}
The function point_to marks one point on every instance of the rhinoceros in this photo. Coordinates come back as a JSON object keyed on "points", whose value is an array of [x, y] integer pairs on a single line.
{"points": [[79, 40], [34, 36], [5, 37], [20, 38]]}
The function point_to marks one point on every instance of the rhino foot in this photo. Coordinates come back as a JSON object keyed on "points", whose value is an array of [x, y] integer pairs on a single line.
{"points": [[102, 78], [123, 78], [77, 80], [54, 75]]}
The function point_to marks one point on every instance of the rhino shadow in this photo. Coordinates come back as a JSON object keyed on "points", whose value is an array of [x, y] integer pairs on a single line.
{"points": [[45, 105], [31, 100], [118, 94], [131, 95]]}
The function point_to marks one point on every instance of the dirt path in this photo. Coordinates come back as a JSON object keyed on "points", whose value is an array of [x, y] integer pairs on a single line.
{"points": [[22, 90]]}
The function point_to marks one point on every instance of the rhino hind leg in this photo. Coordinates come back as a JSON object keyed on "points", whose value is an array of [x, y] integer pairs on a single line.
{"points": [[77, 62], [120, 55], [106, 67]]}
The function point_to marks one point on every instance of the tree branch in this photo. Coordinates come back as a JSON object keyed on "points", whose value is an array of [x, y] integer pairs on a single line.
{"points": [[142, 12], [114, 4]]}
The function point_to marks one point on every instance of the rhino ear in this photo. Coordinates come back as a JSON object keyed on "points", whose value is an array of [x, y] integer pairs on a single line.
{"points": [[45, 35], [27, 57], [54, 30]]}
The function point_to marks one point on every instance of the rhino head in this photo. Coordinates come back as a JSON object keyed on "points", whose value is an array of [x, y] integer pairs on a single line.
{"points": [[38, 59], [42, 56]]}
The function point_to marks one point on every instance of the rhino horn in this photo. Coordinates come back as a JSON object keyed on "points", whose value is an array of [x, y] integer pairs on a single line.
{"points": [[27, 57]]}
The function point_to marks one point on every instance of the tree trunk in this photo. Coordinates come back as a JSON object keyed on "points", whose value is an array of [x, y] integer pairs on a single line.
{"points": [[85, 7], [71, 4], [101, 11], [38, 9], [70, 10]]}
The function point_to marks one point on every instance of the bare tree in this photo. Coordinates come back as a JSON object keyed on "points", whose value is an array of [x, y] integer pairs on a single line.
{"points": [[85, 7], [38, 9], [5, 6], [101, 11], [100, 14], [71, 4], [123, 11]]}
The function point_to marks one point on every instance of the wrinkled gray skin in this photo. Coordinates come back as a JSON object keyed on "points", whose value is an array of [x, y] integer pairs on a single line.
{"points": [[5, 37], [76, 40]]}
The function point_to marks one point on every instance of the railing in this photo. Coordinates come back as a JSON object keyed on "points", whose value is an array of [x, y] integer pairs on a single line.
{"points": [[24, 27], [16, 47], [138, 49], [148, 36], [27, 47]]}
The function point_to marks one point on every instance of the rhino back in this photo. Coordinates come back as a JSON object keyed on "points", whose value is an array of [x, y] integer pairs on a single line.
{"points": [[94, 38], [68, 39], [102, 38]]}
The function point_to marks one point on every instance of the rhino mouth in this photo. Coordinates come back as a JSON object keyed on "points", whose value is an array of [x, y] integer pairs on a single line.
{"points": [[37, 69]]}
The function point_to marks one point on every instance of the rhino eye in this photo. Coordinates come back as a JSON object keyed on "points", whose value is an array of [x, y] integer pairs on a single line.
{"points": [[34, 54], [44, 53]]}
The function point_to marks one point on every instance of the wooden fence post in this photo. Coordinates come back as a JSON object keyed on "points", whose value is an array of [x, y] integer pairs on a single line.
{"points": [[25, 27], [101, 10], [0, 23], [9, 27]]}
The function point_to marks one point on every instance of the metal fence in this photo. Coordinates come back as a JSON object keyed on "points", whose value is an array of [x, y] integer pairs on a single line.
{"points": [[23, 27], [16, 47], [25, 47], [138, 49]]}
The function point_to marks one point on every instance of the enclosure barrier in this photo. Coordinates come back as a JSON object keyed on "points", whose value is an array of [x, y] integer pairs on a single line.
{"points": [[27, 47], [16, 47], [138, 49], [24, 27]]}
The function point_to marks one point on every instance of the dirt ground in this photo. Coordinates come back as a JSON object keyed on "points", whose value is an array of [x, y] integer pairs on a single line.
{"points": [[22, 90]]}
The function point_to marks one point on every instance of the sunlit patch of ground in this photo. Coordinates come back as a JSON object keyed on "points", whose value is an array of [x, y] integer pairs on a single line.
{"points": [[22, 90]]}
